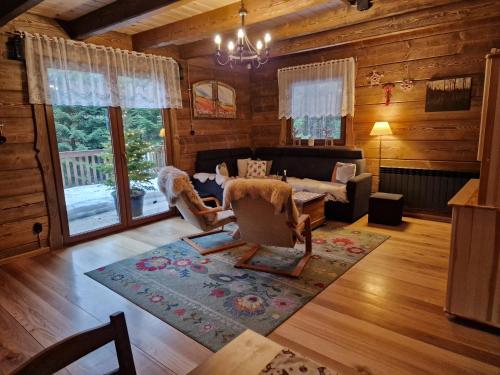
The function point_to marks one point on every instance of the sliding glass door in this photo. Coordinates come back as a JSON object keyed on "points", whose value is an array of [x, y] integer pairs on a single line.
{"points": [[88, 169], [144, 135], [109, 161]]}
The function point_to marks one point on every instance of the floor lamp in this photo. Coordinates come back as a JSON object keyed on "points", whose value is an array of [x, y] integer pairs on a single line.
{"points": [[380, 128]]}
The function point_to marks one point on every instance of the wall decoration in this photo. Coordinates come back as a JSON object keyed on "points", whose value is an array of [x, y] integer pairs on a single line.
{"points": [[374, 77], [226, 101], [449, 94], [388, 87], [214, 99], [406, 85], [203, 99]]}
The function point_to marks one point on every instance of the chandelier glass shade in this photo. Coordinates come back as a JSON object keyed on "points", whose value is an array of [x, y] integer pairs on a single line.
{"points": [[243, 51]]}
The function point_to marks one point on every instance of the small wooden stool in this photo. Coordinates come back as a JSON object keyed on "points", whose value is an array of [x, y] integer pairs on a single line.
{"points": [[385, 208]]}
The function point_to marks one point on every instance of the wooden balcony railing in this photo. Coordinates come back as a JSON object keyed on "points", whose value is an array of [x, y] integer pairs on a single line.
{"points": [[81, 167]]}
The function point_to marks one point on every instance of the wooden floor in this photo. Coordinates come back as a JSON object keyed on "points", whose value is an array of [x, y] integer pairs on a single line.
{"points": [[384, 316]]}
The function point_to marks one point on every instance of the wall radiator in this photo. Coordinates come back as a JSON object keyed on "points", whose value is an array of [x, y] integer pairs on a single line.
{"points": [[424, 189]]}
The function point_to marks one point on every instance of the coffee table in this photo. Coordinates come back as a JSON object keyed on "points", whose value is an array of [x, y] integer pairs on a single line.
{"points": [[312, 204]]}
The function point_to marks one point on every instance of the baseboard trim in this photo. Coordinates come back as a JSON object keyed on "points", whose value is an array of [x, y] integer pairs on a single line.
{"points": [[427, 216], [28, 254]]}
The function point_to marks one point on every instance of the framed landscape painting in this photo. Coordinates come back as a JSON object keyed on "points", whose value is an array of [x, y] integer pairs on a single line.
{"points": [[203, 99], [214, 99], [226, 101], [450, 94]]}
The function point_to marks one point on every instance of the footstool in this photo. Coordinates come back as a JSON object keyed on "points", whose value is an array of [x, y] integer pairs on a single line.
{"points": [[385, 208]]}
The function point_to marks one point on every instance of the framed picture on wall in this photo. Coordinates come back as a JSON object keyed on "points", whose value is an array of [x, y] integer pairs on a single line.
{"points": [[226, 101], [214, 99], [203, 99], [449, 94]]}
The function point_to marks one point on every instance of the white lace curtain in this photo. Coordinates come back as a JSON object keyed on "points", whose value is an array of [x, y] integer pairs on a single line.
{"points": [[317, 90], [67, 72]]}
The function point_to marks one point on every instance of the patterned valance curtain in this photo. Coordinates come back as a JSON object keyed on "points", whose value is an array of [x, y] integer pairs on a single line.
{"points": [[317, 90], [68, 72]]}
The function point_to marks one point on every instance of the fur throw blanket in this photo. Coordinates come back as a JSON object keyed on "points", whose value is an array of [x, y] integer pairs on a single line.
{"points": [[173, 182], [276, 192]]}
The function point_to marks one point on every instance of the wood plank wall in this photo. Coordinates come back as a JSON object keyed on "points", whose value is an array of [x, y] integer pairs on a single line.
{"points": [[23, 199], [440, 140], [213, 133], [22, 195]]}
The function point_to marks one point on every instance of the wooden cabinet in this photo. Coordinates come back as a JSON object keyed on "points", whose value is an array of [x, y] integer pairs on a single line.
{"points": [[474, 272], [489, 140]]}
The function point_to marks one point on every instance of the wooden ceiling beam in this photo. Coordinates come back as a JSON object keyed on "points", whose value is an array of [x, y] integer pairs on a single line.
{"points": [[10, 9], [335, 21], [476, 10], [110, 16], [220, 20]]}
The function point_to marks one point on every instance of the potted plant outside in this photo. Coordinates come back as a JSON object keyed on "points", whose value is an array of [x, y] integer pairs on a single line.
{"points": [[140, 170]]}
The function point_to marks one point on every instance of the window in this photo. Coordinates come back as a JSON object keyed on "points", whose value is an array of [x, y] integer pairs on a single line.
{"points": [[315, 100], [326, 127], [313, 97]]}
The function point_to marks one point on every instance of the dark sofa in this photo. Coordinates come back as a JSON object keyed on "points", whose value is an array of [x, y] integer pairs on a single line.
{"points": [[300, 162]]}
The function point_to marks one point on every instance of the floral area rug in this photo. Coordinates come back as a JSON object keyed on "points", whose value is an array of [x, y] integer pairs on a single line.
{"points": [[209, 300]]}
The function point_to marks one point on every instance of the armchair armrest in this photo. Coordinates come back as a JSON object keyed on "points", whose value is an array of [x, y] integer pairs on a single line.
{"points": [[208, 199], [208, 211]]}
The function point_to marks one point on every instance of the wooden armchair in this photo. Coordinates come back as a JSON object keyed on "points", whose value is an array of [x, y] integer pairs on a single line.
{"points": [[180, 192], [67, 351], [261, 224]]}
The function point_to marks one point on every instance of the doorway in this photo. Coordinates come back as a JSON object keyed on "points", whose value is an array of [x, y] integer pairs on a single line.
{"points": [[107, 161]]}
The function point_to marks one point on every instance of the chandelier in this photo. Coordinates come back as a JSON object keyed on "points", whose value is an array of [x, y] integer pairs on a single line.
{"points": [[244, 51]]}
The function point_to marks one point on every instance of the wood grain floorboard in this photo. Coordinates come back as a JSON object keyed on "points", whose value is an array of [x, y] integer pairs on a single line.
{"points": [[383, 316]]}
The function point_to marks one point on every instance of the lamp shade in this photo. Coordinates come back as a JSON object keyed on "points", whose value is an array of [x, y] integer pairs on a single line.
{"points": [[162, 133], [381, 128]]}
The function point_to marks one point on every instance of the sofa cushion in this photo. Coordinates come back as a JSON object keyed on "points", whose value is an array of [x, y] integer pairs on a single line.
{"points": [[343, 172], [221, 169], [256, 168], [308, 162], [242, 166]]}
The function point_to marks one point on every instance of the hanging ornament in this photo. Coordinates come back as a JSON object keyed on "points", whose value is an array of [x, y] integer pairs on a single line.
{"points": [[374, 77], [388, 87], [406, 85]]}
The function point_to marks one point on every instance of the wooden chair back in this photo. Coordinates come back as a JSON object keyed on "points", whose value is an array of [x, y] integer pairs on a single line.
{"points": [[67, 351], [258, 223]]}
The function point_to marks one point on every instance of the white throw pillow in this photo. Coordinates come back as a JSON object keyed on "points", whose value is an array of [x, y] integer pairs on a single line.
{"points": [[221, 169], [242, 167], [256, 168], [269, 164], [343, 172]]}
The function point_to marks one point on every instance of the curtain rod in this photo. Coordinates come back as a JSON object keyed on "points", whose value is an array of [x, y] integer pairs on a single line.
{"points": [[24, 34], [296, 67]]}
